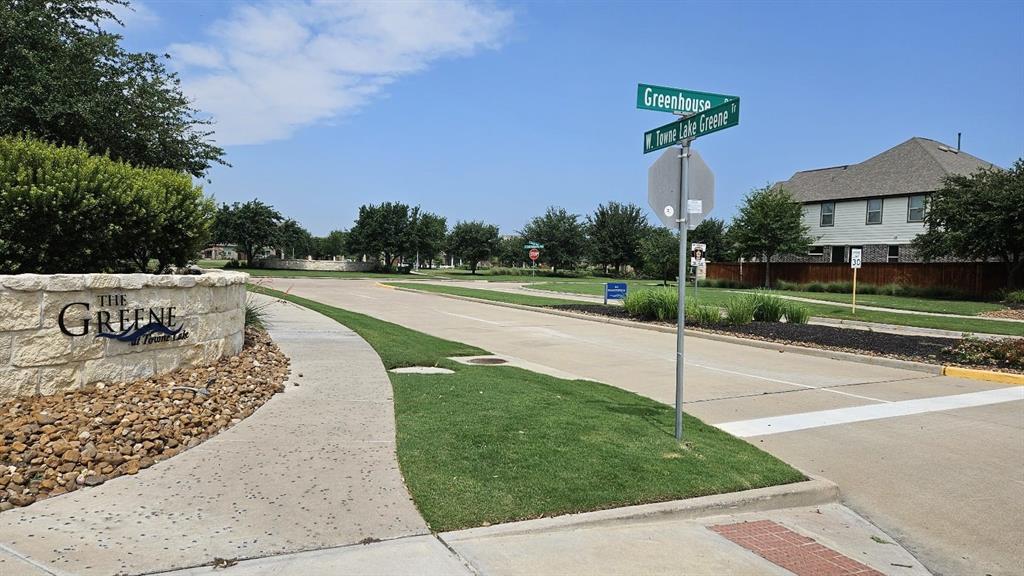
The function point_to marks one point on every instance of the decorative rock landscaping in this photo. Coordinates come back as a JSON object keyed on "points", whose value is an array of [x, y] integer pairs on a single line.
{"points": [[50, 445]]}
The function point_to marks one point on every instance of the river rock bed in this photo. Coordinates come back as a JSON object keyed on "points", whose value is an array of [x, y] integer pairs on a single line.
{"points": [[51, 445]]}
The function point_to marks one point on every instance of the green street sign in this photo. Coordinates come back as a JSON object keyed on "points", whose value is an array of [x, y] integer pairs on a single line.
{"points": [[530, 245], [677, 100], [711, 120]]}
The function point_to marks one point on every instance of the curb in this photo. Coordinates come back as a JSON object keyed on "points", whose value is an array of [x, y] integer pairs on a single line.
{"points": [[812, 492], [935, 369], [986, 375]]}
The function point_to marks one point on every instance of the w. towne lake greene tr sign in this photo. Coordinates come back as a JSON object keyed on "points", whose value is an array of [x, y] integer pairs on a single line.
{"points": [[705, 122]]}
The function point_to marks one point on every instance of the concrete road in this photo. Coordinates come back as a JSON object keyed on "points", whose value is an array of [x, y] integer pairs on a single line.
{"points": [[937, 462]]}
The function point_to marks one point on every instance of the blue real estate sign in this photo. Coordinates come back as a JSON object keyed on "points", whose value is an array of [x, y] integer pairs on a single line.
{"points": [[615, 290]]}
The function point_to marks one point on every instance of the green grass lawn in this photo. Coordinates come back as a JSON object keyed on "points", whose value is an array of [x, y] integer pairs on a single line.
{"points": [[484, 294], [963, 307], [484, 274], [498, 444], [591, 287], [719, 297]]}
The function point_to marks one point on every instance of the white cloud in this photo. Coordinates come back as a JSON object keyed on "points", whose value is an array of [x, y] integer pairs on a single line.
{"points": [[270, 69]]}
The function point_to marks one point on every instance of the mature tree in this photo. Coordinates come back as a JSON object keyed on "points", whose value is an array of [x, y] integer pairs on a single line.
{"points": [[67, 80], [430, 233], [711, 232], [473, 242], [562, 234], [250, 226], [384, 230], [293, 238], [659, 254], [614, 232], [978, 217], [511, 251], [769, 223], [331, 245]]}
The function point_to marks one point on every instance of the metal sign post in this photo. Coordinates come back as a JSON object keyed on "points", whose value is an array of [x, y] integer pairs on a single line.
{"points": [[855, 260], [669, 194], [684, 195]]}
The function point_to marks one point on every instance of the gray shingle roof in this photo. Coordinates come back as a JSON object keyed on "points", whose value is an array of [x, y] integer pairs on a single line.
{"points": [[915, 166]]}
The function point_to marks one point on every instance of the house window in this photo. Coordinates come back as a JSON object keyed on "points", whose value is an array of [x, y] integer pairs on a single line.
{"points": [[816, 251], [915, 209], [828, 213], [894, 253], [875, 211]]}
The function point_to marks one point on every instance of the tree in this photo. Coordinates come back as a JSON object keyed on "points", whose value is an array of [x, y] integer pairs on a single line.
{"points": [[769, 223], [614, 232], [429, 236], [712, 232], [384, 230], [510, 251], [978, 217], [68, 81], [562, 234], [473, 242], [294, 238], [331, 245], [659, 254], [250, 226]]}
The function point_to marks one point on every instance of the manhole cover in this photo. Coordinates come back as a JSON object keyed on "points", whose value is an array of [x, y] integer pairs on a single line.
{"points": [[487, 361]]}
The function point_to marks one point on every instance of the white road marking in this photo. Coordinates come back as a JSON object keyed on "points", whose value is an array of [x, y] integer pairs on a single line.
{"points": [[803, 421], [788, 383], [472, 318], [364, 296]]}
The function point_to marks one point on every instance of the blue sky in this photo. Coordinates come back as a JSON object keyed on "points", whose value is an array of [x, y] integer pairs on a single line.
{"points": [[494, 111]]}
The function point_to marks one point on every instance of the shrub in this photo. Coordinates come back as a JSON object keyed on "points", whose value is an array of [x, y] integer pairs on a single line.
{"points": [[785, 285], [1002, 353], [652, 304], [796, 313], [65, 210], [814, 287], [740, 310], [767, 308], [232, 264], [703, 314], [255, 313], [1015, 298]]}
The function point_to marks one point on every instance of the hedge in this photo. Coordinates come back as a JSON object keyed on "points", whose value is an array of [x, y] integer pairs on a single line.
{"points": [[65, 210]]}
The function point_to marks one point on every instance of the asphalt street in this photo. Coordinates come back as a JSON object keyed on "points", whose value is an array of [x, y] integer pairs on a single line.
{"points": [[937, 462]]}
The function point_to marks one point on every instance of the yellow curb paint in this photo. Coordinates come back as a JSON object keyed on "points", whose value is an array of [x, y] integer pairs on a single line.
{"points": [[986, 375], [379, 285]]}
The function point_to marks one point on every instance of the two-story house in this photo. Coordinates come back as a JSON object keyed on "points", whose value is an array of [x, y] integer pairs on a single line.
{"points": [[877, 205]]}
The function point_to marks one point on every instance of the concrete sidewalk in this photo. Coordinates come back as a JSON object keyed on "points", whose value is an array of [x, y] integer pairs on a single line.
{"points": [[313, 468]]}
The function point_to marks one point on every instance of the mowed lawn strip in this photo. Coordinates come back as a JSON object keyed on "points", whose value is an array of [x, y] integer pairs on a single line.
{"points": [[840, 310], [497, 444], [396, 345], [484, 294]]}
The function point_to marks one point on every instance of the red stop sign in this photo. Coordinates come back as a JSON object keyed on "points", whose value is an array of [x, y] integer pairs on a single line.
{"points": [[534, 254]]}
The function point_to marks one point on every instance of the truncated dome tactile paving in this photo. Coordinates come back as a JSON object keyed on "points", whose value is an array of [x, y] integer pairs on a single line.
{"points": [[798, 554]]}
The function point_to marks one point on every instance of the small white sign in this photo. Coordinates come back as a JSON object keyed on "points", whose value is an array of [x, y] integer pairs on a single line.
{"points": [[697, 252], [855, 257], [695, 206], [670, 211]]}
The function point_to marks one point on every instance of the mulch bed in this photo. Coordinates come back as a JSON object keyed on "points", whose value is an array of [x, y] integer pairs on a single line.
{"points": [[927, 349], [51, 445]]}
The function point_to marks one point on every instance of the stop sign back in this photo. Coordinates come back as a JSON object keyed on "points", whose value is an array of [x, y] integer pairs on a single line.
{"points": [[534, 254]]}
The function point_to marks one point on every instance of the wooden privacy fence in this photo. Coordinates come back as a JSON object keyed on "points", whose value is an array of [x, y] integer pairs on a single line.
{"points": [[977, 278]]}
